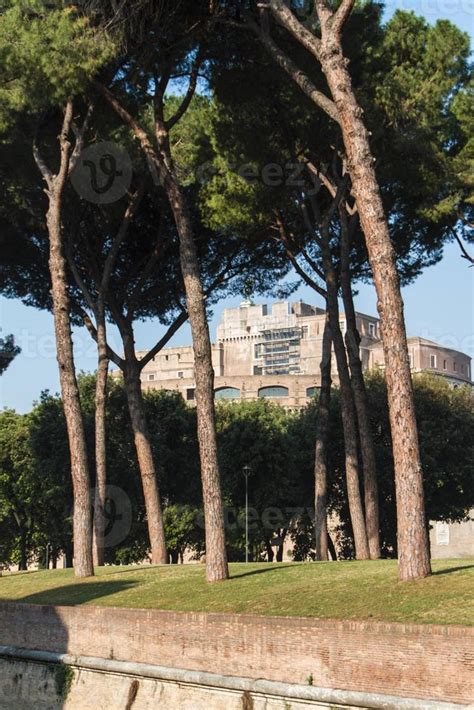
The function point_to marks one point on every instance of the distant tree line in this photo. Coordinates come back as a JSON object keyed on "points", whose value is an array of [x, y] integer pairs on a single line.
{"points": [[36, 499]]}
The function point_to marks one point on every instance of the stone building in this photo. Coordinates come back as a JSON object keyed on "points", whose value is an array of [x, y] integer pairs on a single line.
{"points": [[275, 352]]}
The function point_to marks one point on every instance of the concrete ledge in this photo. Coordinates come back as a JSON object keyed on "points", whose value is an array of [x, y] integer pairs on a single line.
{"points": [[281, 691]]}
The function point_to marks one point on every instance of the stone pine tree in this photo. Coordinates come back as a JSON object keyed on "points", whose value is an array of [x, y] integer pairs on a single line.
{"points": [[83, 562], [45, 55], [172, 50], [222, 261], [327, 50], [407, 112]]}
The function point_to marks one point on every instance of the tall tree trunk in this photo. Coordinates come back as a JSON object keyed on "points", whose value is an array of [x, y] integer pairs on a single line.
{"points": [[146, 464], [269, 550], [23, 561], [332, 548], [216, 554], [82, 522], [281, 546], [347, 407], [320, 461], [413, 546], [371, 498], [161, 161], [68, 557], [100, 437]]}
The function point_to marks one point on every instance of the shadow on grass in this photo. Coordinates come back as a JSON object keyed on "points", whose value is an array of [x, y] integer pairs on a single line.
{"points": [[264, 570], [76, 594], [453, 569]]}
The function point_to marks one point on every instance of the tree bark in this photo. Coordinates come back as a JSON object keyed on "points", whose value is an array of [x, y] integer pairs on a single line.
{"points": [[332, 549], [146, 464], [23, 562], [100, 437], [320, 461], [413, 546], [161, 161], [82, 523], [352, 338], [281, 547], [269, 550], [216, 554], [347, 406]]}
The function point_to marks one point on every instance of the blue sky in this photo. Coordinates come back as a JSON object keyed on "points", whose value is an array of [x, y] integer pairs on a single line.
{"points": [[439, 306]]}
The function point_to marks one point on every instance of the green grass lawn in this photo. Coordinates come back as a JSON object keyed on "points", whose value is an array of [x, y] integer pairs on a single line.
{"points": [[338, 590]]}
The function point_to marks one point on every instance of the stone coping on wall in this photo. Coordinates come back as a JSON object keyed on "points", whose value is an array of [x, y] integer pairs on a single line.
{"points": [[430, 662]]}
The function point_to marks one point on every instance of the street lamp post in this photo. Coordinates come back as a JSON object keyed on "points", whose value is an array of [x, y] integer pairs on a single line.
{"points": [[246, 471]]}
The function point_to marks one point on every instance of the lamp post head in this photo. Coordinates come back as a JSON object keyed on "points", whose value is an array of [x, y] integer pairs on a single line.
{"points": [[246, 471]]}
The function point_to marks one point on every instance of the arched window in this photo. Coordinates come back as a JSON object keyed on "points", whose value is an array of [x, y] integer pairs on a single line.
{"points": [[227, 393], [273, 392], [312, 391]]}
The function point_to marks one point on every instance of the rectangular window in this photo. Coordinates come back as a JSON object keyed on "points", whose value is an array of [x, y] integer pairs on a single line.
{"points": [[151, 377], [445, 364], [462, 368], [190, 394], [180, 375], [433, 361], [455, 366], [304, 331], [257, 370], [372, 330]]}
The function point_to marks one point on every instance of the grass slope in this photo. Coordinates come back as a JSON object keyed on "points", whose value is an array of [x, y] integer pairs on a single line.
{"points": [[342, 590]]}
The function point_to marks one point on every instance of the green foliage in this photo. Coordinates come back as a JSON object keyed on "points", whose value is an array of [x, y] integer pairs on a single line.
{"points": [[445, 418], [257, 434], [423, 88], [63, 678], [420, 64], [8, 352], [183, 530], [276, 444], [19, 487], [46, 55], [411, 80]]}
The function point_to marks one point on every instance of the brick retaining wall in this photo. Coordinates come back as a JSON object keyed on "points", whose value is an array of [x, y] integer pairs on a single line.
{"points": [[432, 662]]}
